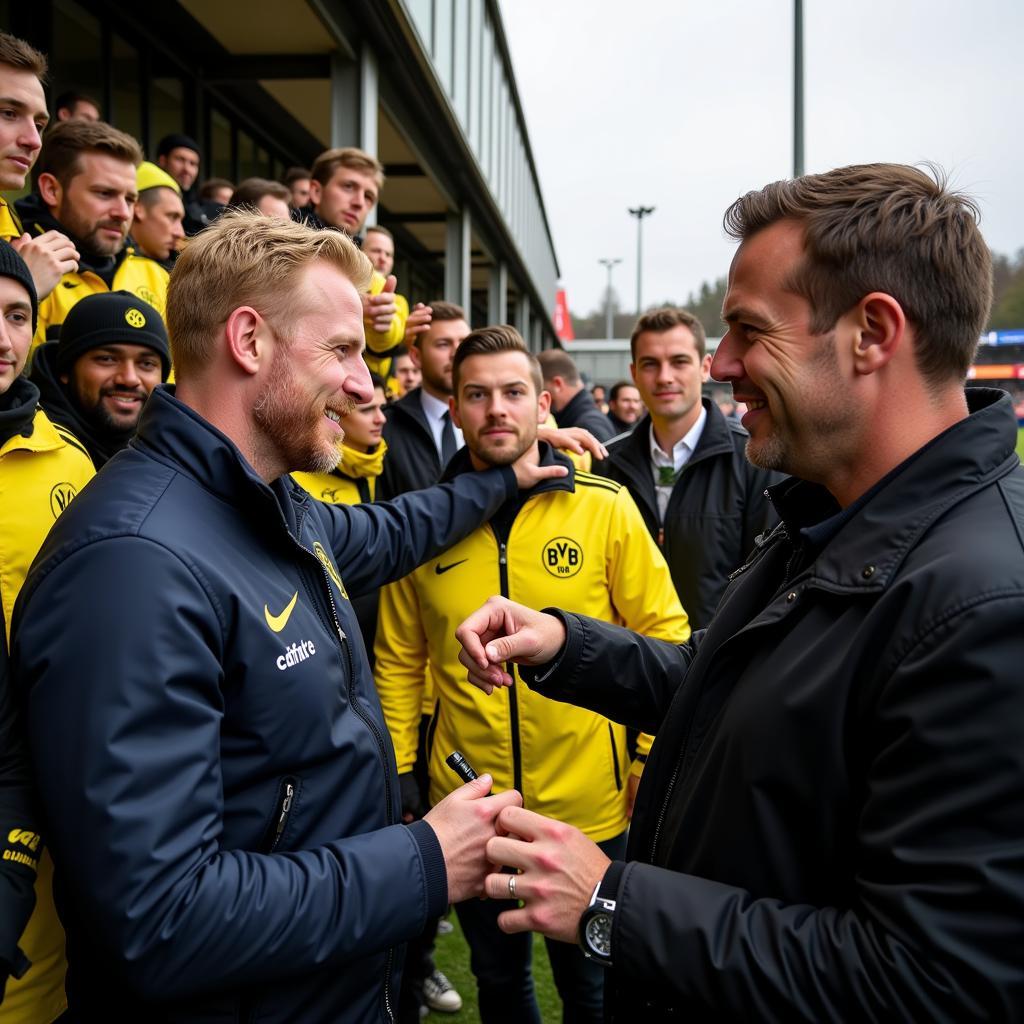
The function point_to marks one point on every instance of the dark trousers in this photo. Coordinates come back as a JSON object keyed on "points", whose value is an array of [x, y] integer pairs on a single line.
{"points": [[501, 964]]}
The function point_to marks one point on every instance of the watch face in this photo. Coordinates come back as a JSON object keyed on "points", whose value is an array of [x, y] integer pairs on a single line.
{"points": [[598, 934]]}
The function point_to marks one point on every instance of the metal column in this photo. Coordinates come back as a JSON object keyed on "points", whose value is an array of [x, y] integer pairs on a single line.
{"points": [[497, 294], [457, 260]]}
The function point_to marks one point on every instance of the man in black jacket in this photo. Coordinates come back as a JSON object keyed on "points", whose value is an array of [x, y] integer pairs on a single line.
{"points": [[831, 823], [702, 500], [571, 403]]}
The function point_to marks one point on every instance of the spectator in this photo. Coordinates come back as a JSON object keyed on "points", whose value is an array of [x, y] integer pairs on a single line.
{"points": [[624, 407], [600, 398], [297, 180], [157, 226], [86, 189], [267, 197], [179, 156], [684, 464], [222, 792], [345, 186], [216, 191], [379, 245], [22, 72], [41, 469], [420, 433], [406, 371], [571, 403], [94, 381], [569, 763], [76, 106], [831, 824]]}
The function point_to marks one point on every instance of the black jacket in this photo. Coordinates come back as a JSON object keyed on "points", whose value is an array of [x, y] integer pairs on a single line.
{"points": [[207, 739], [716, 509], [412, 461], [830, 826], [581, 411], [620, 426], [56, 402]]}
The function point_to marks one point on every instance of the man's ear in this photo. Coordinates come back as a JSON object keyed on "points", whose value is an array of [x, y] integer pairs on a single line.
{"points": [[50, 189], [879, 328], [250, 343], [315, 192], [705, 368], [543, 406], [416, 355]]}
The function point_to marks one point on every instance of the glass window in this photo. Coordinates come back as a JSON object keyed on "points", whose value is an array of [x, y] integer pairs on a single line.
{"points": [[126, 96], [247, 157], [76, 58], [220, 165], [166, 109]]}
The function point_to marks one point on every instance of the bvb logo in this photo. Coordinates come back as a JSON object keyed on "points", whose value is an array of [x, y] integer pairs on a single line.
{"points": [[562, 557], [60, 498], [325, 561], [135, 317]]}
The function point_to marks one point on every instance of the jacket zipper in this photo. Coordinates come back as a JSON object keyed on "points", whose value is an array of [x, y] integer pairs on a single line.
{"points": [[381, 747], [513, 700], [615, 758], [282, 812]]}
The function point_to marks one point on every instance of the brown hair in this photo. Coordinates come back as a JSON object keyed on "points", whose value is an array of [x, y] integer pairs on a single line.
{"points": [[489, 341], [325, 165], [658, 321], [16, 53], [441, 310], [556, 362], [66, 141], [246, 259], [252, 190], [380, 229], [296, 174], [212, 185], [887, 228]]}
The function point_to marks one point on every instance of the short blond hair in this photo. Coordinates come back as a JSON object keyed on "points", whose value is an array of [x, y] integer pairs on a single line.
{"points": [[244, 259]]}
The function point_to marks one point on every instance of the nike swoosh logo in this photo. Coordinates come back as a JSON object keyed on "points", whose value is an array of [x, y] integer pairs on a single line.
{"points": [[440, 569], [278, 622], [70, 284]]}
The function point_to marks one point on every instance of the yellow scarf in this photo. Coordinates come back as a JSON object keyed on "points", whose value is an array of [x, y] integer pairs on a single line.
{"points": [[363, 465]]}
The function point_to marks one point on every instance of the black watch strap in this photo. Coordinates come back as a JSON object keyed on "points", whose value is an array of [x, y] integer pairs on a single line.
{"points": [[609, 887]]}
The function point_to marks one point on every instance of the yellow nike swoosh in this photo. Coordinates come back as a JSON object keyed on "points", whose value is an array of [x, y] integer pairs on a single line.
{"points": [[278, 622]]}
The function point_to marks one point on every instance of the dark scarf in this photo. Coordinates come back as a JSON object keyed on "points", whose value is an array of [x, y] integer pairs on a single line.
{"points": [[18, 409]]}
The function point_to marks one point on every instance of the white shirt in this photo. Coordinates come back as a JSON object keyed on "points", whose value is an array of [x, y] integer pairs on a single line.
{"points": [[681, 452], [434, 409]]}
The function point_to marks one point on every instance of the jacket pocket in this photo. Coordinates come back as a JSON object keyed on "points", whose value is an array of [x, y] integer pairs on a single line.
{"points": [[615, 757], [287, 793]]}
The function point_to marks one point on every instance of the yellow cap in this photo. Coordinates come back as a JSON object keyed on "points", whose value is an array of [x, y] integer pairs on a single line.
{"points": [[150, 176]]}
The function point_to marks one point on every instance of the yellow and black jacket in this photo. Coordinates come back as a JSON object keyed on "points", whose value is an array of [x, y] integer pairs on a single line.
{"points": [[354, 480], [577, 542], [10, 226], [39, 475]]}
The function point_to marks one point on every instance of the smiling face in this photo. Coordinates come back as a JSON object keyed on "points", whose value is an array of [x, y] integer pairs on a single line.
{"points": [[15, 330], [668, 372], [98, 203], [799, 411], [111, 384], [317, 375], [498, 408], [22, 120], [346, 199]]}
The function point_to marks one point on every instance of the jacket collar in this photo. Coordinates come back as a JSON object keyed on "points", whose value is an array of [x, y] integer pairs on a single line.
{"points": [[34, 213], [461, 463], [176, 434], [573, 409], [18, 409], [869, 546], [411, 405]]}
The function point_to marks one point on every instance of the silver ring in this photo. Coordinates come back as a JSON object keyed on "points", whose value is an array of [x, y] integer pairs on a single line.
{"points": [[512, 886]]}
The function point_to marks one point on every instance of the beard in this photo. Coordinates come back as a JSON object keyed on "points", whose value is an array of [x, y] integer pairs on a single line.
{"points": [[89, 233], [291, 424], [108, 423], [503, 455]]}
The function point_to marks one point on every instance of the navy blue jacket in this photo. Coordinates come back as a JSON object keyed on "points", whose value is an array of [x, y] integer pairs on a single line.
{"points": [[209, 746]]}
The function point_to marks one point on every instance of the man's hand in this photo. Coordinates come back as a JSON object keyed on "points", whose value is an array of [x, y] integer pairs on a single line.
{"points": [[503, 631], [463, 822], [559, 868], [529, 473], [417, 323], [573, 439], [49, 256], [379, 310]]}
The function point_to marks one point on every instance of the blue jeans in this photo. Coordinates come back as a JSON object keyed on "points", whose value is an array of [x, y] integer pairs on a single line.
{"points": [[501, 964]]}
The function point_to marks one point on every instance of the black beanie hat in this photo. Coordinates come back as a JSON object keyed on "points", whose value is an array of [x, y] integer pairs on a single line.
{"points": [[177, 141], [111, 318], [13, 266]]}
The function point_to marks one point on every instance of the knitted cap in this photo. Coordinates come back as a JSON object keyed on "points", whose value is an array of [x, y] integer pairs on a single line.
{"points": [[13, 266], [176, 141], [148, 176], [111, 318]]}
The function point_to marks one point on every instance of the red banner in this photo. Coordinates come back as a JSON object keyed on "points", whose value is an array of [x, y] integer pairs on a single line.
{"points": [[563, 322]]}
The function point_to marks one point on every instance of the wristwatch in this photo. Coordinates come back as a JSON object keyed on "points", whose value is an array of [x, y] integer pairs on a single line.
{"points": [[595, 928]]}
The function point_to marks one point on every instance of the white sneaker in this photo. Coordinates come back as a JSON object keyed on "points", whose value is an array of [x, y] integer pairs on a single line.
{"points": [[439, 995], [445, 927]]}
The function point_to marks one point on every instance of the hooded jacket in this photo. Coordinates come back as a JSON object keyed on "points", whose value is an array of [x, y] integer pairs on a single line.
{"points": [[717, 507], [207, 740], [831, 823], [101, 444], [126, 271]]}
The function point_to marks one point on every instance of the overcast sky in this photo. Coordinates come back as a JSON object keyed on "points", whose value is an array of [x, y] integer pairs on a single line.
{"points": [[685, 105]]}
